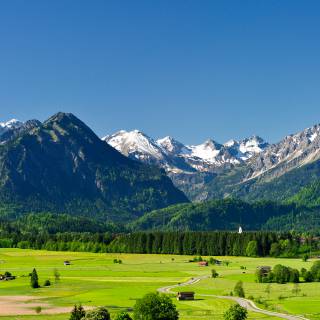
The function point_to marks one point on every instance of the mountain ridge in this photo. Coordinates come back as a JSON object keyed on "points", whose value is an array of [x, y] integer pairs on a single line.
{"points": [[249, 169], [205, 157], [212, 170], [62, 166]]}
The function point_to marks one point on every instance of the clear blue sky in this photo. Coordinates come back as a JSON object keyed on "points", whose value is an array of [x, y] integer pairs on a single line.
{"points": [[190, 69]]}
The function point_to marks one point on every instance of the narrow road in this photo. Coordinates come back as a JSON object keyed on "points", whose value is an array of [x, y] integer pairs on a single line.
{"points": [[248, 304]]}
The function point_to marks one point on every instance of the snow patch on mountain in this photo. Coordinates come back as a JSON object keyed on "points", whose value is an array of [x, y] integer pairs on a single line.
{"points": [[135, 143], [208, 151], [10, 125], [175, 156]]}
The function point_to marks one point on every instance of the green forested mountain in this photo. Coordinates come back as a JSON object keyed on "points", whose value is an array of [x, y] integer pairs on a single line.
{"points": [[227, 214], [306, 217], [268, 186], [308, 196], [62, 166]]}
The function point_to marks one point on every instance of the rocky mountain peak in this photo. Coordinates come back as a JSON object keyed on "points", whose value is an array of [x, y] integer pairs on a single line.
{"points": [[135, 144], [170, 145], [10, 125]]}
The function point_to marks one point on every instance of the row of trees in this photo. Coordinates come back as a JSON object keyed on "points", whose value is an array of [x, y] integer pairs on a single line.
{"points": [[313, 274], [279, 274], [284, 274], [219, 243], [192, 243]]}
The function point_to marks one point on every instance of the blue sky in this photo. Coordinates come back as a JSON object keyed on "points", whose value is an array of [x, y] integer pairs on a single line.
{"points": [[190, 69]]}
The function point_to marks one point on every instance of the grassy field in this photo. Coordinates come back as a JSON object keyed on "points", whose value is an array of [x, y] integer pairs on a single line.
{"points": [[94, 280]]}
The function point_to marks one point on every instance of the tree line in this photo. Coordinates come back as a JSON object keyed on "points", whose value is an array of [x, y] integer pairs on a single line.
{"points": [[44, 232], [283, 274], [218, 243]]}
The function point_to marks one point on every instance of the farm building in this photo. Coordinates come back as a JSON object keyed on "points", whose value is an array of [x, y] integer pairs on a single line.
{"points": [[185, 296], [67, 263], [264, 270], [203, 263]]}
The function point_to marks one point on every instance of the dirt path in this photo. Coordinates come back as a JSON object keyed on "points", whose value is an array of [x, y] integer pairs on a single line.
{"points": [[26, 305], [248, 304]]}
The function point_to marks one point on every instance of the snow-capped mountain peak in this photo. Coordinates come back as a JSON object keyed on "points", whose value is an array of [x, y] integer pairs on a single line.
{"points": [[252, 145], [135, 143], [171, 145], [10, 125], [231, 143], [174, 156], [207, 151]]}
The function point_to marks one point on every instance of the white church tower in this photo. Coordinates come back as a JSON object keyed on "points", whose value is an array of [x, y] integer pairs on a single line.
{"points": [[240, 230]]}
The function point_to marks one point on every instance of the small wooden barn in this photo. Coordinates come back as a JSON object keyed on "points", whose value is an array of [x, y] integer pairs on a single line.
{"points": [[66, 263], [185, 295], [203, 263]]}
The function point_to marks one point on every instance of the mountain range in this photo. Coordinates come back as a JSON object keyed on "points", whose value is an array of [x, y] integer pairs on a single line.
{"points": [[61, 165], [176, 157], [249, 169]]}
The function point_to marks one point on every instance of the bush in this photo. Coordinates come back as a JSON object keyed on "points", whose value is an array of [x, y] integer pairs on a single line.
{"points": [[38, 309], [154, 306], [47, 283], [123, 316], [117, 261], [315, 270], [98, 314], [238, 289], [77, 313], [308, 277], [214, 273], [236, 312]]}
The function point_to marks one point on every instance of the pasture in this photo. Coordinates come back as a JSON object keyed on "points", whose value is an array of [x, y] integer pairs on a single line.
{"points": [[95, 280]]}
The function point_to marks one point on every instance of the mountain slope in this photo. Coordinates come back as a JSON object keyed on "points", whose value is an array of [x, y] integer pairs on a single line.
{"points": [[63, 166], [16, 128], [277, 173], [9, 125], [226, 214], [308, 196]]}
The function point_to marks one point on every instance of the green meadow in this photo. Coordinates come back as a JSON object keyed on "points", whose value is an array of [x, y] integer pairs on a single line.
{"points": [[95, 280]]}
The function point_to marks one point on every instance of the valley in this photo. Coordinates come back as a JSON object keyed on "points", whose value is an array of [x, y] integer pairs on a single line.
{"points": [[95, 280]]}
